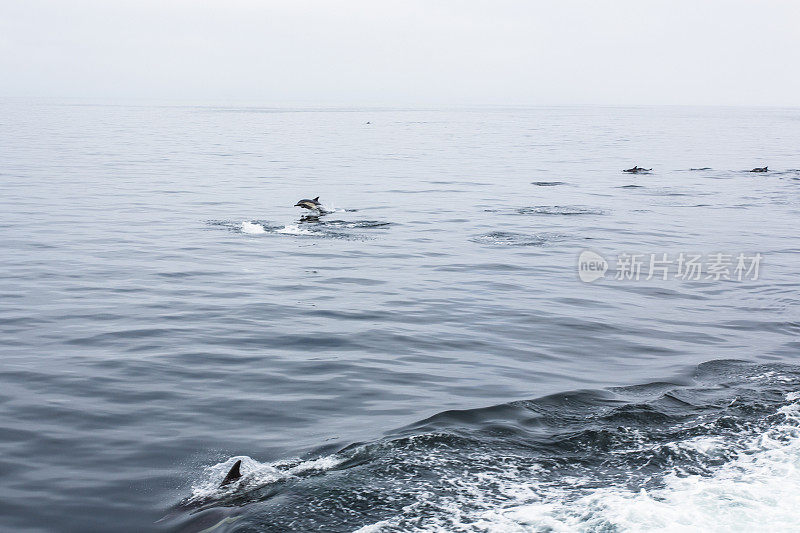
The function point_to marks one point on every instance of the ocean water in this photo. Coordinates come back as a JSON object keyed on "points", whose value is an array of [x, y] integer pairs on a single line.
{"points": [[424, 355]]}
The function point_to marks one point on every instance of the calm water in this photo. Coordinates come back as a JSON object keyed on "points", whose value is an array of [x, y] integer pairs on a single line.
{"points": [[422, 357]]}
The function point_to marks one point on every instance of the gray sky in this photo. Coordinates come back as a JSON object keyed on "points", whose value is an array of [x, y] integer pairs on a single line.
{"points": [[409, 52]]}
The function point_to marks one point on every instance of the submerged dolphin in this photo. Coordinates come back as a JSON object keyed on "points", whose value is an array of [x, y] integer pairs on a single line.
{"points": [[636, 170], [233, 474], [313, 205], [760, 169]]}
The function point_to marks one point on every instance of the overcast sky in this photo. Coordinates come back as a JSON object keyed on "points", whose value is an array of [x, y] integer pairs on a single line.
{"points": [[409, 52]]}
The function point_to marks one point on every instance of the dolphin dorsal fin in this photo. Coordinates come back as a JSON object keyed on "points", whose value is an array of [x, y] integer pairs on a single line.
{"points": [[233, 474], [316, 199]]}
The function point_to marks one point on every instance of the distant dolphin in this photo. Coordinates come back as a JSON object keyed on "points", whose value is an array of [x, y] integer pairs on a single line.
{"points": [[313, 205], [636, 170], [760, 169], [233, 474]]}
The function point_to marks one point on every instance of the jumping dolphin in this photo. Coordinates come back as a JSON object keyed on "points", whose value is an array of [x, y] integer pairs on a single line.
{"points": [[313, 205], [761, 169], [636, 170], [233, 474]]}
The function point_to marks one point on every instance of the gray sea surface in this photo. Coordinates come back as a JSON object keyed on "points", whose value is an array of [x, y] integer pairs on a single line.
{"points": [[164, 310]]}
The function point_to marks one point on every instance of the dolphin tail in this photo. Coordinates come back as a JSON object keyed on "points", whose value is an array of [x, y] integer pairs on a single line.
{"points": [[233, 474]]}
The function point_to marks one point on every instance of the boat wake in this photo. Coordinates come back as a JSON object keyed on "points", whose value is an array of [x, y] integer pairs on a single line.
{"points": [[716, 451]]}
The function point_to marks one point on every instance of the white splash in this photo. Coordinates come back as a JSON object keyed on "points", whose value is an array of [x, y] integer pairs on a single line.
{"points": [[252, 229], [294, 229], [255, 474]]}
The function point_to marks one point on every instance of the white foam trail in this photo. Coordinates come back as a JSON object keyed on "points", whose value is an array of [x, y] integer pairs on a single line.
{"points": [[323, 463], [252, 229], [294, 229]]}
